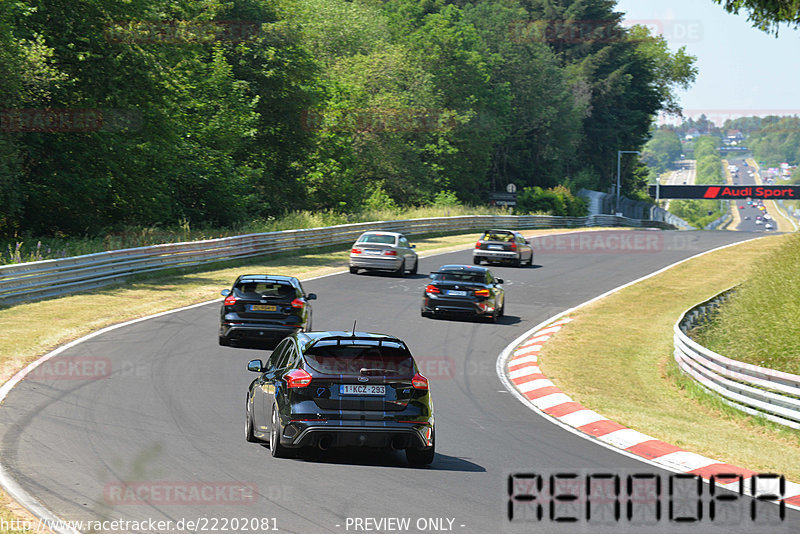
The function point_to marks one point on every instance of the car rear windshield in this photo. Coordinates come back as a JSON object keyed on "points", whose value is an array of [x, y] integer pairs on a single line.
{"points": [[360, 358], [459, 277], [384, 239], [279, 290], [497, 236]]}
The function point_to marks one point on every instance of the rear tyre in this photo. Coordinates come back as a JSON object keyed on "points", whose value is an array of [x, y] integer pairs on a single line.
{"points": [[401, 271], [476, 260], [224, 341], [425, 314], [353, 270], [275, 447], [419, 457], [530, 260], [517, 262], [249, 435], [415, 268], [502, 311]]}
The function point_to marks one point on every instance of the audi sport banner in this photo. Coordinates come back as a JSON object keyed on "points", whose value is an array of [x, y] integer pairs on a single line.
{"points": [[731, 192]]}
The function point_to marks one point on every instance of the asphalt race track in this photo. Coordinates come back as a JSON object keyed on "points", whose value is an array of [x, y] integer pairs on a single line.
{"points": [[163, 410]]}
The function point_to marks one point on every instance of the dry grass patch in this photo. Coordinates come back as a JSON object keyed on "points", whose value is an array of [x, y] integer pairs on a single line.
{"points": [[616, 358]]}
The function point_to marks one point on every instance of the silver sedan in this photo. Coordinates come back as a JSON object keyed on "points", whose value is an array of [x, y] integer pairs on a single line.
{"points": [[383, 251]]}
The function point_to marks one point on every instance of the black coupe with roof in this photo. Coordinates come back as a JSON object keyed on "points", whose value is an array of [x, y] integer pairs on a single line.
{"points": [[464, 290]]}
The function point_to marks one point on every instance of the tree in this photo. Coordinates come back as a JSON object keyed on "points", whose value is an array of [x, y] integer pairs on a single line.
{"points": [[767, 15]]}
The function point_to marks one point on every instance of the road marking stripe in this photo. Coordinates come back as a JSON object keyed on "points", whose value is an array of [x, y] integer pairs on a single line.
{"points": [[653, 449], [531, 358], [528, 378], [582, 417], [560, 410], [684, 461], [600, 428], [529, 370], [625, 438], [550, 400], [539, 383]]}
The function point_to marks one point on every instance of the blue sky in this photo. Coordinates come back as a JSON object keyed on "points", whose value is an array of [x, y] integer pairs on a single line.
{"points": [[742, 70]]}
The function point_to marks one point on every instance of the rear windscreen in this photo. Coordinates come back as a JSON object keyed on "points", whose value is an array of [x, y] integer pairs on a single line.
{"points": [[459, 277], [360, 359], [377, 238], [497, 236], [266, 290]]}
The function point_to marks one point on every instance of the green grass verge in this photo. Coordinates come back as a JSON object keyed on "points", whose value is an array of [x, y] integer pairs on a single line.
{"points": [[760, 323], [616, 358]]}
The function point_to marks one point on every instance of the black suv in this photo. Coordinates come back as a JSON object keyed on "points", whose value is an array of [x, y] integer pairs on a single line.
{"points": [[341, 389], [263, 309]]}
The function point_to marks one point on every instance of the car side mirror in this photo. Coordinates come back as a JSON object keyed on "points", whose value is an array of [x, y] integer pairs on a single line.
{"points": [[430, 276], [255, 366], [225, 292], [527, 242], [499, 281], [311, 296], [413, 246]]}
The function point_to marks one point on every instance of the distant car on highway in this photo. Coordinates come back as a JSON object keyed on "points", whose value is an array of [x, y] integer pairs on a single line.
{"points": [[341, 389], [464, 290], [263, 309], [383, 251], [503, 246]]}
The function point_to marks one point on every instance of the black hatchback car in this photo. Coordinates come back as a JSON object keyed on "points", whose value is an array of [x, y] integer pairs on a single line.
{"points": [[263, 309], [464, 290], [341, 389]]}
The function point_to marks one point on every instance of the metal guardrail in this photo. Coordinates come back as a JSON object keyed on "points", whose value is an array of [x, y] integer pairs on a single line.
{"points": [[54, 278], [759, 391]]}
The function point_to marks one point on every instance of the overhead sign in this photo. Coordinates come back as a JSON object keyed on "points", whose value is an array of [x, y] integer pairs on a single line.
{"points": [[728, 192]]}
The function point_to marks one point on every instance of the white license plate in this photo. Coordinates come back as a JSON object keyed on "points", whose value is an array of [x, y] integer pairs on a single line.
{"points": [[372, 251], [454, 293], [362, 389], [495, 247]]}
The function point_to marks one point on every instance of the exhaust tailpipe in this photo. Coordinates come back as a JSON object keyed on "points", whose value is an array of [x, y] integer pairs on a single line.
{"points": [[325, 442]]}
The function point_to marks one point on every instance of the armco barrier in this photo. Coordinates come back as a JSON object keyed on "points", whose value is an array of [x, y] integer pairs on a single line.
{"points": [[759, 391], [54, 278]]}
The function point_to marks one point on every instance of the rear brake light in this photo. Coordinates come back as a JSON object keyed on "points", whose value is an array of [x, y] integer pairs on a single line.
{"points": [[390, 253], [297, 378], [481, 292], [298, 303], [355, 250], [478, 244], [513, 246], [432, 289], [230, 300], [419, 382]]}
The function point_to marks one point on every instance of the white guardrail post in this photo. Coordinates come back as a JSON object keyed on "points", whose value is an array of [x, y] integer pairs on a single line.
{"points": [[758, 391], [38, 280]]}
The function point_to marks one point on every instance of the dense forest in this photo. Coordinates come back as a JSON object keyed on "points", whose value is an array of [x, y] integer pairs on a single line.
{"points": [[155, 112]]}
